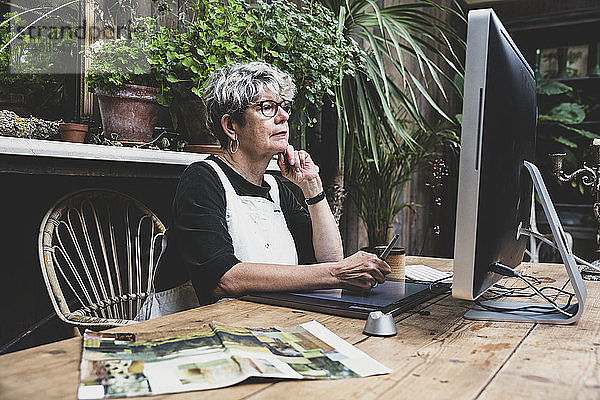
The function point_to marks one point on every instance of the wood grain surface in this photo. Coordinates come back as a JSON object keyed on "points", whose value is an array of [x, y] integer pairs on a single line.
{"points": [[436, 355]]}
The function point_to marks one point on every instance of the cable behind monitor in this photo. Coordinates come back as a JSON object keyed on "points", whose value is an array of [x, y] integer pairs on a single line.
{"points": [[540, 312]]}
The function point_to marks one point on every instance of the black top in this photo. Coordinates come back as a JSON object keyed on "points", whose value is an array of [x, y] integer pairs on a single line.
{"points": [[199, 247]]}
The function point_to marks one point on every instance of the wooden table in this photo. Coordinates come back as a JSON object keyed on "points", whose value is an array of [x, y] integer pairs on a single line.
{"points": [[436, 355]]}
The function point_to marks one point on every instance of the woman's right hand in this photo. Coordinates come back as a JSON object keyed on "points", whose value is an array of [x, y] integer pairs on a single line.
{"points": [[360, 272]]}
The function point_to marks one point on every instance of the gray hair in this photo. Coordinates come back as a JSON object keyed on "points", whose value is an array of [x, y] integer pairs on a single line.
{"points": [[232, 89]]}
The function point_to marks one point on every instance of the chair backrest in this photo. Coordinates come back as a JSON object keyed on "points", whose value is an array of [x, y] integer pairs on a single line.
{"points": [[97, 250]]}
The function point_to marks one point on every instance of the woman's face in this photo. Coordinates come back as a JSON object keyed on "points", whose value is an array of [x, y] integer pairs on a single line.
{"points": [[262, 136]]}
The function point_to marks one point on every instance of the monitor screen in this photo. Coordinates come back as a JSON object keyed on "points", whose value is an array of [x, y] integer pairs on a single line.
{"points": [[498, 135]]}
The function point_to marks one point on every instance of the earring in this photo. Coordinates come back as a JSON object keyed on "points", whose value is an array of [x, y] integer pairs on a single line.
{"points": [[234, 145]]}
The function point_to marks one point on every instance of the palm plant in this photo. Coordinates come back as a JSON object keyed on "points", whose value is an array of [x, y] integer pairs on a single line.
{"points": [[407, 56], [377, 183], [394, 37]]}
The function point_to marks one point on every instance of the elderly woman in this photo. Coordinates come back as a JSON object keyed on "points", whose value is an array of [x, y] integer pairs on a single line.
{"points": [[236, 229]]}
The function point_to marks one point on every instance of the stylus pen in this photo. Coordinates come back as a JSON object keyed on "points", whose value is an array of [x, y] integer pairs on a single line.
{"points": [[389, 247]]}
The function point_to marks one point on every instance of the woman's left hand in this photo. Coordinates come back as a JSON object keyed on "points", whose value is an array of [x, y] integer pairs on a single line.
{"points": [[298, 167]]}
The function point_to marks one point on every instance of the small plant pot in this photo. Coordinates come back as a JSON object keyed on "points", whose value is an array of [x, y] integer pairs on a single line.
{"points": [[70, 132]]}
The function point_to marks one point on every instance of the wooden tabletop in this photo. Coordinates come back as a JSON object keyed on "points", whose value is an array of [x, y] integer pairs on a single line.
{"points": [[436, 355]]}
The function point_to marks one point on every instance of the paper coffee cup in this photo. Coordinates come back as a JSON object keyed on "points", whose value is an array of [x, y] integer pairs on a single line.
{"points": [[396, 260]]}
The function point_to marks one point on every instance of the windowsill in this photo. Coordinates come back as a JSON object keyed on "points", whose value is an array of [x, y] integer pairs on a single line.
{"points": [[34, 156], [84, 151]]}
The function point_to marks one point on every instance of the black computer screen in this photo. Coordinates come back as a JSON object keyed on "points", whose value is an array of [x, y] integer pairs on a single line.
{"points": [[499, 121]]}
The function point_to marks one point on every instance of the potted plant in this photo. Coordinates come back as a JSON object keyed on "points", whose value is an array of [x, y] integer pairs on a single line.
{"points": [[206, 39], [376, 179], [299, 39], [72, 132], [561, 122], [126, 84], [410, 58]]}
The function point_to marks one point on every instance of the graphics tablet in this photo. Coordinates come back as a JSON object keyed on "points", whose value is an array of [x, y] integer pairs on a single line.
{"points": [[390, 296]]}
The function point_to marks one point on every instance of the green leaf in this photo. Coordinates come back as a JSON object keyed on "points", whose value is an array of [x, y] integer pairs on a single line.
{"points": [[551, 87], [171, 55], [172, 78], [582, 132], [197, 92], [566, 142], [567, 113], [161, 99], [280, 39]]}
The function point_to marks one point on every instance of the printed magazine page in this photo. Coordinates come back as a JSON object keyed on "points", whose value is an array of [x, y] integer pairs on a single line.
{"points": [[118, 365]]}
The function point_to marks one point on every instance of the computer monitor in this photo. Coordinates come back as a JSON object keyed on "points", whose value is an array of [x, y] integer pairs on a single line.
{"points": [[495, 171], [498, 134]]}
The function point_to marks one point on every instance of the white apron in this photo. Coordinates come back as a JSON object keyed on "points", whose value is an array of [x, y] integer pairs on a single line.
{"points": [[259, 233]]}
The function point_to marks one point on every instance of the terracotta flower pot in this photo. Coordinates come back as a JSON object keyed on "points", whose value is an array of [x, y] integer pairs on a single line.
{"points": [[70, 132], [129, 113]]}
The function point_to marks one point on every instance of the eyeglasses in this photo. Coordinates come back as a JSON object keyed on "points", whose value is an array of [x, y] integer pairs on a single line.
{"points": [[269, 107]]}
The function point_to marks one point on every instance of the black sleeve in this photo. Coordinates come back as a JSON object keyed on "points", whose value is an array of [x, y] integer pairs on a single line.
{"points": [[200, 230], [298, 222]]}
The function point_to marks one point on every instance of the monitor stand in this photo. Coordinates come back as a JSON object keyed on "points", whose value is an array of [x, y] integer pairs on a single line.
{"points": [[510, 310]]}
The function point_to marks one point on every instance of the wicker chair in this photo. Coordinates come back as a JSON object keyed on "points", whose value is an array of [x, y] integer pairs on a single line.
{"points": [[97, 252]]}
